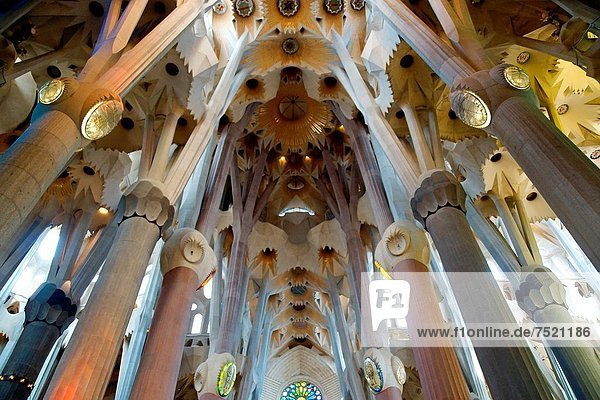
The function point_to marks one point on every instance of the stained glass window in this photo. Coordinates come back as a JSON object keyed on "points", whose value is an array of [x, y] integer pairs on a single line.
{"points": [[301, 391]]}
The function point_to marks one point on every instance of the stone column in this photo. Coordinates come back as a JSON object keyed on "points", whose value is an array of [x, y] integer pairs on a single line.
{"points": [[186, 261], [438, 204], [49, 311], [542, 295], [87, 363], [234, 298], [568, 180], [51, 140], [352, 373], [251, 360], [405, 247]]}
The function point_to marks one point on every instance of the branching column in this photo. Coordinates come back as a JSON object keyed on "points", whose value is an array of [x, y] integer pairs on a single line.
{"points": [[361, 145], [219, 169], [247, 207], [511, 372], [186, 261], [341, 325], [51, 140], [87, 363], [250, 363], [23, 186], [48, 312], [542, 295], [405, 247], [568, 180], [345, 211], [54, 136]]}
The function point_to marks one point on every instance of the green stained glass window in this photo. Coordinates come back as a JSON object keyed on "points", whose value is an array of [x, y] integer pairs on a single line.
{"points": [[301, 391]]}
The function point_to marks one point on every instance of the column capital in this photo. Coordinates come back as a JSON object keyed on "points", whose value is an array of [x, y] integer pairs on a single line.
{"points": [[188, 248], [215, 376], [383, 370], [539, 288], [146, 199], [439, 189], [94, 109], [51, 305], [402, 240]]}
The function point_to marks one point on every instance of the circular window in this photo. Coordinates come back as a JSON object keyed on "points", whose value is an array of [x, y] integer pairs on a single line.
{"points": [[301, 391]]}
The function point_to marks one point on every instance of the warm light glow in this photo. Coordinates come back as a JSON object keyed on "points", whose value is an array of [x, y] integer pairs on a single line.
{"points": [[307, 159], [282, 159], [341, 128], [103, 211]]}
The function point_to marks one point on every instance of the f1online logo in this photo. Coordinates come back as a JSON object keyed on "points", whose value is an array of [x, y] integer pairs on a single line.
{"points": [[388, 300]]}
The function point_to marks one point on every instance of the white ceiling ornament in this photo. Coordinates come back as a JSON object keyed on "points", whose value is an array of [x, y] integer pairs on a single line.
{"points": [[365, 212], [467, 159], [505, 178], [328, 234], [380, 45], [196, 48], [296, 210], [502, 175], [298, 255], [113, 166], [224, 220], [89, 181], [265, 236]]}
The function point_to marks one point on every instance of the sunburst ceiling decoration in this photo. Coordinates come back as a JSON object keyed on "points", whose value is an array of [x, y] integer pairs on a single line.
{"points": [[292, 118], [303, 17], [268, 54]]}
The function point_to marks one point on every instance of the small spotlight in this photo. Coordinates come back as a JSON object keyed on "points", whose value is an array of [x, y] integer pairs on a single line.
{"points": [[282, 159], [103, 211]]}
